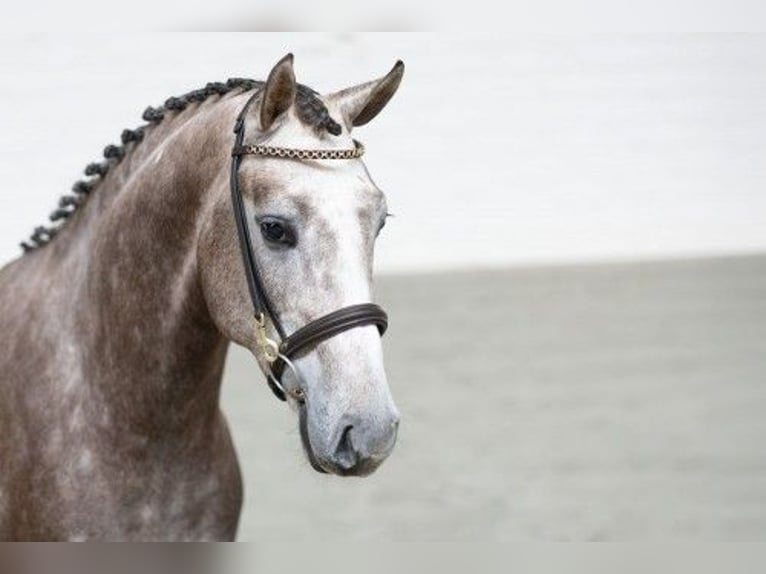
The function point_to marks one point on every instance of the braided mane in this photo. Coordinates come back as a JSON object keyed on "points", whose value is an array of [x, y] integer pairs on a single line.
{"points": [[310, 110]]}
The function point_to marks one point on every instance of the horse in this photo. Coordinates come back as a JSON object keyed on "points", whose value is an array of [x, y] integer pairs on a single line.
{"points": [[115, 322]]}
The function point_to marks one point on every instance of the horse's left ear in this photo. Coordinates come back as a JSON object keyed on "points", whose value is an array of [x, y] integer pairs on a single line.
{"points": [[363, 102], [278, 93]]}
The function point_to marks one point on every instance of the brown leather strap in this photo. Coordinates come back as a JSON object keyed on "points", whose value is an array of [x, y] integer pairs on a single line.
{"points": [[330, 325]]}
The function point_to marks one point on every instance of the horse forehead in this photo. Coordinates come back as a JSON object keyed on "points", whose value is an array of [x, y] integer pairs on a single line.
{"points": [[330, 187], [342, 183]]}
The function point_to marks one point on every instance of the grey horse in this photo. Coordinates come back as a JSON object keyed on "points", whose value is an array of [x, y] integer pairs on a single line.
{"points": [[114, 326]]}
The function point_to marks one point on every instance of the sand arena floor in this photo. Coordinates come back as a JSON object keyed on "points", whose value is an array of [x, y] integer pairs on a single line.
{"points": [[621, 402]]}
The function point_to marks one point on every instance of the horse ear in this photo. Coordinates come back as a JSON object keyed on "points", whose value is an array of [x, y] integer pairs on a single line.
{"points": [[278, 93], [363, 102]]}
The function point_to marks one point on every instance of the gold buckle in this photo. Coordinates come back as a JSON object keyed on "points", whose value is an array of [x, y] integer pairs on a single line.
{"points": [[269, 347]]}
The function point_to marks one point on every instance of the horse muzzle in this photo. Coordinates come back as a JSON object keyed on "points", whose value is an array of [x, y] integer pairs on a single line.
{"points": [[357, 445]]}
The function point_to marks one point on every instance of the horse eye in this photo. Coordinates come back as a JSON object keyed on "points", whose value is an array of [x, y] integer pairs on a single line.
{"points": [[276, 232]]}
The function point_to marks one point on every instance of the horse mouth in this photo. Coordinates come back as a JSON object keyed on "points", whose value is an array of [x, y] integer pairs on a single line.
{"points": [[304, 429], [359, 468]]}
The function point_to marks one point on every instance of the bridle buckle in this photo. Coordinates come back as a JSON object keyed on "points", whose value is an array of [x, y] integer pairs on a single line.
{"points": [[269, 347]]}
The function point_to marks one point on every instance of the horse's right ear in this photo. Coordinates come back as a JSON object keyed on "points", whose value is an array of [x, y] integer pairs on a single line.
{"points": [[278, 93], [363, 102]]}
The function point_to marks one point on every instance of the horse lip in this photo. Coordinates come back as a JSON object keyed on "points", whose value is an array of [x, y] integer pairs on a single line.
{"points": [[304, 430]]}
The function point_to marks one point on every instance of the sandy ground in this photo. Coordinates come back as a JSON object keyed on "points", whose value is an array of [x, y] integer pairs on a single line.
{"points": [[616, 402]]}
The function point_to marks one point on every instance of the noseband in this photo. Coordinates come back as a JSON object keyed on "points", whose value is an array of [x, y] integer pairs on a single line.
{"points": [[279, 354]]}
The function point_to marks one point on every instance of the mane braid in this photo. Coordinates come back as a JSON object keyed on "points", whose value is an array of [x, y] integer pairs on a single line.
{"points": [[309, 107]]}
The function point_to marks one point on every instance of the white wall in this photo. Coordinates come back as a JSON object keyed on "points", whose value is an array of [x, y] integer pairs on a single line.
{"points": [[495, 151]]}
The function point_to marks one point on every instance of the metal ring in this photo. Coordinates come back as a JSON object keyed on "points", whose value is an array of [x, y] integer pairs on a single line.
{"points": [[299, 379]]}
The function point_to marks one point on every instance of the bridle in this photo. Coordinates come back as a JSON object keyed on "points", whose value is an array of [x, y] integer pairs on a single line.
{"points": [[277, 355]]}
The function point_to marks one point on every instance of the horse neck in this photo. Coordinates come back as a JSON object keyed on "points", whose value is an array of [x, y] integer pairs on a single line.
{"points": [[150, 344]]}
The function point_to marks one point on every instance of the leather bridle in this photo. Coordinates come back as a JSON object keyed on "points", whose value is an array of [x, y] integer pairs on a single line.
{"points": [[279, 354]]}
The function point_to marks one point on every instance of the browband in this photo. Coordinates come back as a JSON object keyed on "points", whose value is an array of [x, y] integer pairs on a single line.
{"points": [[293, 153]]}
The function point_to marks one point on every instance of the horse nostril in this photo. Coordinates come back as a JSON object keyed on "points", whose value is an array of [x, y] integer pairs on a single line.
{"points": [[345, 455]]}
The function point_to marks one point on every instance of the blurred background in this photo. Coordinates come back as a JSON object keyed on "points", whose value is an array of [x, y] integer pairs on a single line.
{"points": [[576, 273]]}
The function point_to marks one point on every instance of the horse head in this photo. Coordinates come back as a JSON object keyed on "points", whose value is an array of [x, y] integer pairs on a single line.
{"points": [[310, 225]]}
